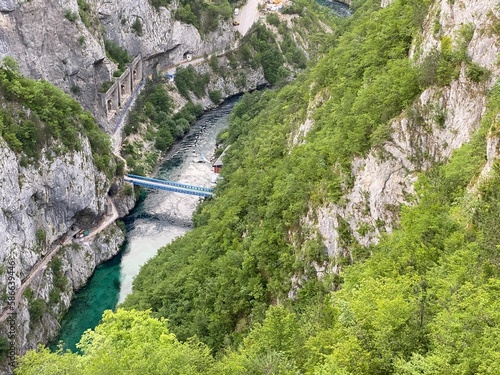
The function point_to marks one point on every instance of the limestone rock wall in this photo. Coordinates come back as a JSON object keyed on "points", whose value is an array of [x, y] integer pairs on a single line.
{"points": [[39, 205], [50, 41], [384, 180], [59, 192], [47, 45], [232, 83], [163, 40]]}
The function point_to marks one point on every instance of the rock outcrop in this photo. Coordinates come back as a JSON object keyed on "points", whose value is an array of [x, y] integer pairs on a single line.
{"points": [[7, 5], [51, 40], [62, 42], [236, 82], [41, 205], [162, 40], [440, 121], [51, 197]]}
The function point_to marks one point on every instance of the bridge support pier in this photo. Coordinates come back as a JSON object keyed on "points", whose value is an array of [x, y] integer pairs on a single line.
{"points": [[115, 98]]}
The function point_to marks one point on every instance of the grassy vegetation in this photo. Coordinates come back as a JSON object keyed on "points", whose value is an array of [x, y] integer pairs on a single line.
{"points": [[205, 16], [187, 80], [60, 281], [37, 116], [70, 16], [238, 259], [118, 55], [422, 301], [88, 15], [106, 86], [137, 27], [215, 96], [153, 118]]}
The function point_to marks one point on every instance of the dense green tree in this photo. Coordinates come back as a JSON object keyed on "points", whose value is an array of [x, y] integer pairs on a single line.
{"points": [[36, 115], [245, 281], [126, 342], [153, 118], [240, 258]]}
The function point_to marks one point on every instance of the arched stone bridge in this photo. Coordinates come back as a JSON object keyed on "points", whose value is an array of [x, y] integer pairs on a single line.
{"points": [[116, 96]]}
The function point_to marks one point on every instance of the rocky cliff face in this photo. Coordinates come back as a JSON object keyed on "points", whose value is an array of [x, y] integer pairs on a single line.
{"points": [[440, 121], [234, 82], [162, 40], [40, 206], [50, 40], [47, 45], [51, 197]]}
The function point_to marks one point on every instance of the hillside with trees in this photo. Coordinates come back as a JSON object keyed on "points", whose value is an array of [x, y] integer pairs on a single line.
{"points": [[422, 299]]}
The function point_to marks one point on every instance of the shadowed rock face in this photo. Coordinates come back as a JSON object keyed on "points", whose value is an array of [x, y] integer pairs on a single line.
{"points": [[7, 5], [47, 45], [41, 204]]}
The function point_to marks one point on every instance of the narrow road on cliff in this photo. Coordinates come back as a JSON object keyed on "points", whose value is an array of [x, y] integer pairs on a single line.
{"points": [[43, 262], [104, 224]]}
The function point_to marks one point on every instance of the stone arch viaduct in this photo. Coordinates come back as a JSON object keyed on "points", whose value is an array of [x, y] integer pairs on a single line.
{"points": [[113, 100]]}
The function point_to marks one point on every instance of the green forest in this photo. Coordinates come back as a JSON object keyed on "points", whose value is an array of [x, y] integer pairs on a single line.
{"points": [[36, 117], [424, 300], [153, 118]]}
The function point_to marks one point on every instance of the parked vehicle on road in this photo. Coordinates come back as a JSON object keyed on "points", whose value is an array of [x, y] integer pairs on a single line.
{"points": [[82, 233]]}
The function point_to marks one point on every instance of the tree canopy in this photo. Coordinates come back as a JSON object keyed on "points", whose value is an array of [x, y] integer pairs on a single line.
{"points": [[36, 115], [421, 301]]}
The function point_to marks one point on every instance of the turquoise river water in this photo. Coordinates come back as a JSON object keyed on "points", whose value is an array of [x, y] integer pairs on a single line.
{"points": [[155, 222]]}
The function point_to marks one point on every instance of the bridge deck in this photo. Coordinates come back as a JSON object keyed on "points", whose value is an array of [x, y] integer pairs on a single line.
{"points": [[176, 187]]}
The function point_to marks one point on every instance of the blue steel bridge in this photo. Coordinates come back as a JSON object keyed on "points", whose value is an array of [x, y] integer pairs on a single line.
{"points": [[176, 187]]}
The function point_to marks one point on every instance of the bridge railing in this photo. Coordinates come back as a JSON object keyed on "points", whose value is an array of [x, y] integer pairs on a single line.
{"points": [[155, 185], [165, 182]]}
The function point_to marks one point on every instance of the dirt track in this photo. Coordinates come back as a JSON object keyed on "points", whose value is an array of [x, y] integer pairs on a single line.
{"points": [[248, 14]]}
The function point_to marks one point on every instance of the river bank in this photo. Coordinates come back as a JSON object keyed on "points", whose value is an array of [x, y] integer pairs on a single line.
{"points": [[155, 222]]}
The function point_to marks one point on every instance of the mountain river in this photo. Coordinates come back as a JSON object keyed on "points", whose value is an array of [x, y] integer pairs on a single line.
{"points": [[155, 222]]}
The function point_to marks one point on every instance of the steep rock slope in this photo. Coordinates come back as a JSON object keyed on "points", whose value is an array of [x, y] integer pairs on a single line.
{"points": [[49, 46], [41, 205], [63, 43], [441, 120], [319, 169], [162, 40], [55, 171]]}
